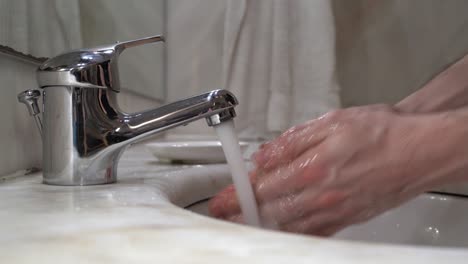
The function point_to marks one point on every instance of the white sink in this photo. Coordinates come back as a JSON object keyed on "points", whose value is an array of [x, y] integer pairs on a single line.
{"points": [[430, 219], [139, 219]]}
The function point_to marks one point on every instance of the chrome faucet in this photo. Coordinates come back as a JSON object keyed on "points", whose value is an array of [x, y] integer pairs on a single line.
{"points": [[84, 132]]}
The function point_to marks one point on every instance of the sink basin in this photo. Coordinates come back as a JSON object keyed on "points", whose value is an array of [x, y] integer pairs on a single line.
{"points": [[140, 219], [429, 219]]}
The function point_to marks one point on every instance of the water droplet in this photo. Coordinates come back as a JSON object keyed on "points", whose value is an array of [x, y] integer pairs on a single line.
{"points": [[433, 232]]}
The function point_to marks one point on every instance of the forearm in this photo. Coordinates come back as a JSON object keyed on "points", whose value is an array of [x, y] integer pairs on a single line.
{"points": [[442, 147], [447, 91]]}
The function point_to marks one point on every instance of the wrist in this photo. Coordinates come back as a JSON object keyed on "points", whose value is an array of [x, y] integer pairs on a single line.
{"points": [[442, 149], [447, 91]]}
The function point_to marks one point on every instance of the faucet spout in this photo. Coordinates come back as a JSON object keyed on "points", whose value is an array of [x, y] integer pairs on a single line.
{"points": [[216, 107], [85, 132]]}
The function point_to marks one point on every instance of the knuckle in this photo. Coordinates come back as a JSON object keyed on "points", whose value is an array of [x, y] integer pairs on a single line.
{"points": [[384, 107], [291, 206], [333, 115]]}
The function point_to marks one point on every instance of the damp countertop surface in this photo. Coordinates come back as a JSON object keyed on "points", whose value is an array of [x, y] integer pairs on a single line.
{"points": [[140, 219]]}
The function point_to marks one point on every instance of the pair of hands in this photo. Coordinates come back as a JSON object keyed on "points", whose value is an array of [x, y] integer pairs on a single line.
{"points": [[355, 163], [343, 168]]}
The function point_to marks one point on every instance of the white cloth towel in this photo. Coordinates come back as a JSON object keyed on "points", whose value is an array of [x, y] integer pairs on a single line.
{"points": [[279, 60]]}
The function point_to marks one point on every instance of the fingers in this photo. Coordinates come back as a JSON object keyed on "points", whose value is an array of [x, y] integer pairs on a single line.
{"points": [[225, 204], [329, 230], [329, 216], [290, 144], [308, 169], [298, 139], [293, 207], [238, 218], [323, 223]]}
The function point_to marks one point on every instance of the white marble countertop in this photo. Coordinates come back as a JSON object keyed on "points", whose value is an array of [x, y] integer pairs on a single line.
{"points": [[139, 220]]}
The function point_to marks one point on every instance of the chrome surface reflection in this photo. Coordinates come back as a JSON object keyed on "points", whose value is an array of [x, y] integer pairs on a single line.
{"points": [[84, 130]]}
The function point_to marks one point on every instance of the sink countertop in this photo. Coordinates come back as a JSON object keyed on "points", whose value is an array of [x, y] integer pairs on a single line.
{"points": [[139, 220]]}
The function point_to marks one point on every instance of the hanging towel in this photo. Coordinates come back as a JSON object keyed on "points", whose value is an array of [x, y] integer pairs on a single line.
{"points": [[279, 60]]}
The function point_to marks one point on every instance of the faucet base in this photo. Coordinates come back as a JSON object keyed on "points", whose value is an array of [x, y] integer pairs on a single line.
{"points": [[83, 181], [89, 176], [101, 169]]}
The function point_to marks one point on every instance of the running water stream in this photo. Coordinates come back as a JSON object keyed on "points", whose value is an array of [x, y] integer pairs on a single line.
{"points": [[245, 194]]}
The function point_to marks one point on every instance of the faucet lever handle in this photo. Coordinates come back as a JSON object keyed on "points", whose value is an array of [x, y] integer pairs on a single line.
{"points": [[121, 46], [88, 68]]}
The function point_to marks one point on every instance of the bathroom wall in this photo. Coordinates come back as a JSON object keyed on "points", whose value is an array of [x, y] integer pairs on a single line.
{"points": [[106, 21], [142, 71], [385, 49], [20, 144], [194, 53], [19, 138]]}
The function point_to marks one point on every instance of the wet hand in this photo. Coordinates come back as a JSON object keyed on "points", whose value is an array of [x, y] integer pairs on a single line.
{"points": [[343, 168]]}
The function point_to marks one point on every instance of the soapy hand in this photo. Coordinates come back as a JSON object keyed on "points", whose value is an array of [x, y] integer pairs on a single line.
{"points": [[343, 168]]}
